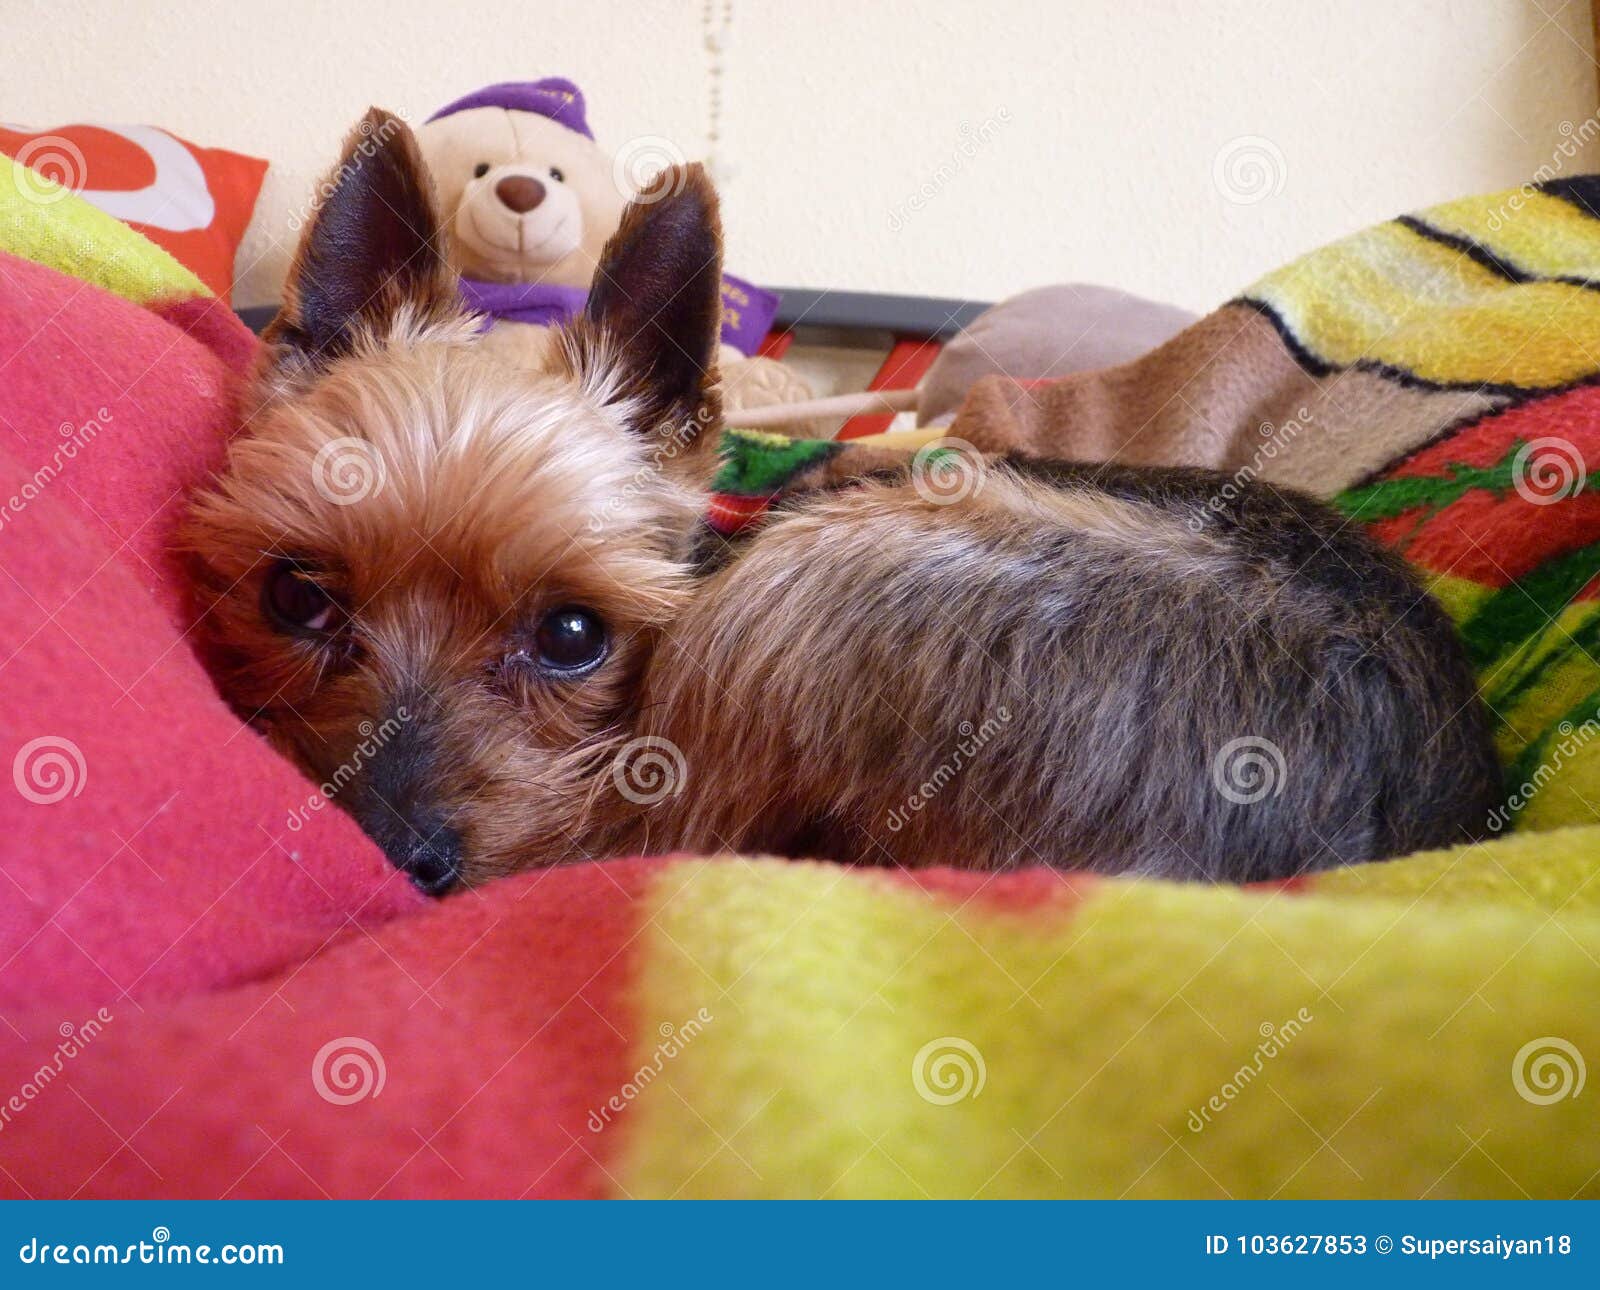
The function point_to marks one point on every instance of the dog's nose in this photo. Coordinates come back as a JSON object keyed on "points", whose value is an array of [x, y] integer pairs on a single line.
{"points": [[432, 860], [522, 193], [397, 806], [418, 843]]}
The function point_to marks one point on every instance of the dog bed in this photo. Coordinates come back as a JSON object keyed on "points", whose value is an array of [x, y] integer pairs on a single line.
{"points": [[208, 989]]}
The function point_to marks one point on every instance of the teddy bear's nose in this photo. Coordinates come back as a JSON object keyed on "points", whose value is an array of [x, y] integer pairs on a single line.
{"points": [[520, 192]]}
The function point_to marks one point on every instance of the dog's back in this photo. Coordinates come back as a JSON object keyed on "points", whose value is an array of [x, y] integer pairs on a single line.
{"points": [[1132, 670]]}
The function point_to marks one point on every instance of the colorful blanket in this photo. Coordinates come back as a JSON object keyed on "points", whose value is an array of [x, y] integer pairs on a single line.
{"points": [[208, 990]]}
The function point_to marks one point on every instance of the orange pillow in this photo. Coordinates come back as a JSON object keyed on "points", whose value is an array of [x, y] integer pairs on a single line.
{"points": [[193, 201]]}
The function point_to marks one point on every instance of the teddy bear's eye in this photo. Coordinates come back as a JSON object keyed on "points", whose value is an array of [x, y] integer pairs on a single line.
{"points": [[480, 170], [556, 175]]}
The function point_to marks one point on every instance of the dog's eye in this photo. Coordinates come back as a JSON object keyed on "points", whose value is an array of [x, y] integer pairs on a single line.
{"points": [[556, 175], [570, 639], [295, 604], [480, 170]]}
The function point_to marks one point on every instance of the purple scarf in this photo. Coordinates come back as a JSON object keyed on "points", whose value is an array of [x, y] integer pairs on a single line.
{"points": [[747, 310], [538, 303]]}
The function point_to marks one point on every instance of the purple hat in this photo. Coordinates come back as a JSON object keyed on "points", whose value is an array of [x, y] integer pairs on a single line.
{"points": [[554, 97]]}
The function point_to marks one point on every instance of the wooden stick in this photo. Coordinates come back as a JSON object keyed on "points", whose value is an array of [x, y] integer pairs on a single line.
{"points": [[838, 405]]}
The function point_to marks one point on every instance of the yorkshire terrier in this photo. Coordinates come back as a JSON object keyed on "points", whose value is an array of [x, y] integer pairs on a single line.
{"points": [[508, 576]]}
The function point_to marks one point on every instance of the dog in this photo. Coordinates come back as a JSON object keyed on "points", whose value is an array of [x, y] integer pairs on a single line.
{"points": [[507, 576]]}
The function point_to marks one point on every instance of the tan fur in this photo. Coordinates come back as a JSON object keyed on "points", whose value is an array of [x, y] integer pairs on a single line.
{"points": [[1051, 670], [1042, 668], [1163, 538], [499, 498], [784, 689], [486, 496]]}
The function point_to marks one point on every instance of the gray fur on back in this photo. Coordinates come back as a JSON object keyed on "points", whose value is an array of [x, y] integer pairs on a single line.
{"points": [[1086, 666]]}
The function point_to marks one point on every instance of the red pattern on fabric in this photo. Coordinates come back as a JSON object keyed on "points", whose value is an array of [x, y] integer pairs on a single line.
{"points": [[1497, 540], [1494, 537], [727, 513], [1021, 890]]}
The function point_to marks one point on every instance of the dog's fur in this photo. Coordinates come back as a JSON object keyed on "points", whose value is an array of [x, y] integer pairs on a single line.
{"points": [[1055, 668], [1085, 665]]}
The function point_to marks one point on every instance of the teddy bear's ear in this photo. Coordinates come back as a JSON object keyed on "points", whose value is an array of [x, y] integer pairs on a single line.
{"points": [[648, 337], [373, 252]]}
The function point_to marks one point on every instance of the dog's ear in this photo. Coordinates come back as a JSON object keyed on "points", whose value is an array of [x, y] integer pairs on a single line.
{"points": [[649, 333], [373, 251]]}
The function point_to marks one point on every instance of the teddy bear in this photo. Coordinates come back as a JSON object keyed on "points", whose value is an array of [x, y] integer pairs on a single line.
{"points": [[530, 199]]}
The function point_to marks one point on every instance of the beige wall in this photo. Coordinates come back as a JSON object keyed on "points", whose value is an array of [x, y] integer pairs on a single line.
{"points": [[903, 145]]}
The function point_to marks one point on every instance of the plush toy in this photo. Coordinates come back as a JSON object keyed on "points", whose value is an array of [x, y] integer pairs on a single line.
{"points": [[530, 199]]}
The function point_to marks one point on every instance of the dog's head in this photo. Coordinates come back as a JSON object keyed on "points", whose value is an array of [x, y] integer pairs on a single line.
{"points": [[432, 578]]}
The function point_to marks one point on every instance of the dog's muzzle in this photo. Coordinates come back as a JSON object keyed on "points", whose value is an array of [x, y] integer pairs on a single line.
{"points": [[395, 804]]}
